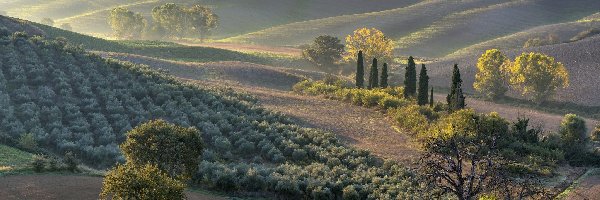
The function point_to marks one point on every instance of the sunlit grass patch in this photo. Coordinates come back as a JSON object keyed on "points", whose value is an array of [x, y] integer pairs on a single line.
{"points": [[11, 158]]}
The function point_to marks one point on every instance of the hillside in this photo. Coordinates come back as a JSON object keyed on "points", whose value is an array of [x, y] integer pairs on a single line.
{"points": [[237, 16], [578, 57], [433, 28], [71, 100]]}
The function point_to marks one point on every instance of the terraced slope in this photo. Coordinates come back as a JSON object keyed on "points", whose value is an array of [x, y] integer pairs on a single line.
{"points": [[434, 28]]}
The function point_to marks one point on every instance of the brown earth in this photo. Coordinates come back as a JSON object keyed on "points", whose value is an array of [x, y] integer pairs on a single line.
{"points": [[61, 187], [588, 189]]}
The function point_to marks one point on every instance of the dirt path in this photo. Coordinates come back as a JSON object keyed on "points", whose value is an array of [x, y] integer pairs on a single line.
{"points": [[548, 121], [61, 187]]}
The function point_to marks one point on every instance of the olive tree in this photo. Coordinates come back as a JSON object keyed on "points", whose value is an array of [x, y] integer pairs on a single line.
{"points": [[173, 149]]}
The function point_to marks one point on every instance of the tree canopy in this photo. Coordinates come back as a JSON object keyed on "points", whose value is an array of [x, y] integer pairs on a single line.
{"points": [[491, 79], [538, 75], [171, 148], [140, 182], [372, 42], [325, 51], [125, 23]]}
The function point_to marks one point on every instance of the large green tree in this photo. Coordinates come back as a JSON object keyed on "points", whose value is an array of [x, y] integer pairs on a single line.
{"points": [[325, 51], [492, 77], [410, 78], [456, 98], [373, 75], [360, 71], [125, 23], [423, 93], [201, 20], [173, 149], [140, 182]]}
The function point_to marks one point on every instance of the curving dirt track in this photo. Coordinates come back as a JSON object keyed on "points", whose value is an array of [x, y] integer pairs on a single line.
{"points": [[61, 187]]}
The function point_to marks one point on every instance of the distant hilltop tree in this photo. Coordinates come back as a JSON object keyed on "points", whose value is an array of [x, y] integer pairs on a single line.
{"points": [[66, 26], [177, 21], [125, 23], [372, 42], [47, 21], [325, 52]]}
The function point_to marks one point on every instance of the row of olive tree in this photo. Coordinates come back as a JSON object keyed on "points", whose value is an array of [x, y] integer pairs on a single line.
{"points": [[168, 21]]}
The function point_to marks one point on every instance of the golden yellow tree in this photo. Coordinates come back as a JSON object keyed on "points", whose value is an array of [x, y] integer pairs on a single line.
{"points": [[372, 42], [491, 77], [538, 75]]}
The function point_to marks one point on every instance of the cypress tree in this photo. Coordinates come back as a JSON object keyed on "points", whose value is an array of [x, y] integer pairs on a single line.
{"points": [[422, 96], [360, 71], [456, 98], [410, 78], [431, 98], [383, 81], [373, 82]]}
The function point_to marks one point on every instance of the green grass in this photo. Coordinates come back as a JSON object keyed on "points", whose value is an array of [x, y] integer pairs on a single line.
{"points": [[13, 159]]}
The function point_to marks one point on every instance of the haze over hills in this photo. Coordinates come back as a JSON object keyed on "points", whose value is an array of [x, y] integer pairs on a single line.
{"points": [[236, 16]]}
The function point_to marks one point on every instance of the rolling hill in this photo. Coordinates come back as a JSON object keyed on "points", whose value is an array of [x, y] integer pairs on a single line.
{"points": [[72, 100], [237, 16], [578, 57], [434, 28]]}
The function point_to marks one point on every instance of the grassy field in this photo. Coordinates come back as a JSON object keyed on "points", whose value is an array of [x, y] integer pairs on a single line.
{"points": [[13, 159]]}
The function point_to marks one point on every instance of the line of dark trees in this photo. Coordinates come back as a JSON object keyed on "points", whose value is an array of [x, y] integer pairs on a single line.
{"points": [[424, 96]]}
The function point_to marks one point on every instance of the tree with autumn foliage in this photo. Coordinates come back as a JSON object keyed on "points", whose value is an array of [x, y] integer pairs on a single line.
{"points": [[538, 75], [491, 77], [372, 42]]}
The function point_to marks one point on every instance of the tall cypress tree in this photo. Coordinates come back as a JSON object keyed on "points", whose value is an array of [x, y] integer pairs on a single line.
{"points": [[431, 98], [360, 71], [410, 78], [456, 98], [383, 81], [422, 96], [373, 82]]}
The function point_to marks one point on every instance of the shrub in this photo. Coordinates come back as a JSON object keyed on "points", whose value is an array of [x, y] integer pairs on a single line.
{"points": [[349, 193], [171, 148], [596, 133], [70, 161], [140, 182], [372, 98], [27, 141], [38, 163], [573, 129], [410, 117], [388, 102]]}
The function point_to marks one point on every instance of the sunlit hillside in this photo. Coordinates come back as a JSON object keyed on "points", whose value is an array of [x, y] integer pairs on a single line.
{"points": [[237, 16]]}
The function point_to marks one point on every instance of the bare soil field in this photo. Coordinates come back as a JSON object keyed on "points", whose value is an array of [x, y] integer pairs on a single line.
{"points": [[588, 189], [61, 187]]}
